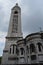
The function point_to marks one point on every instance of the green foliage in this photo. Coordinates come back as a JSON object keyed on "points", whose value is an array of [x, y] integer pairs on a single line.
{"points": [[0, 59]]}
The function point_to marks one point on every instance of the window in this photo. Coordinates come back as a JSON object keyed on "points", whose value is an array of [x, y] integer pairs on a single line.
{"points": [[33, 57], [16, 12], [32, 48], [22, 51], [15, 19], [39, 47], [17, 51], [12, 49]]}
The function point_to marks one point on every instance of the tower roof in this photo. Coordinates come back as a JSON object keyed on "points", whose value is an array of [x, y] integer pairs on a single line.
{"points": [[16, 6]]}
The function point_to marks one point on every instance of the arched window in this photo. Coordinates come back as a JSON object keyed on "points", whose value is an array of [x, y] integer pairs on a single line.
{"points": [[16, 12], [22, 51], [12, 49], [32, 48], [39, 46]]}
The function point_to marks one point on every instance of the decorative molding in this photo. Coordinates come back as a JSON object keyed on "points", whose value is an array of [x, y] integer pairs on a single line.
{"points": [[5, 51], [13, 58], [40, 54]]}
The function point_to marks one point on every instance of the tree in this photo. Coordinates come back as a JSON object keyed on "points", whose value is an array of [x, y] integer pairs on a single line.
{"points": [[0, 59]]}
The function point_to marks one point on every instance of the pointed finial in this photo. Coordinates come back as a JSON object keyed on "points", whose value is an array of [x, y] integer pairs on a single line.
{"points": [[40, 29], [16, 4]]}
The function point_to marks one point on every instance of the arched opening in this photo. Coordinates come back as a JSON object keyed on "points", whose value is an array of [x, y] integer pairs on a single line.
{"points": [[22, 51], [12, 48], [39, 46], [16, 12], [32, 48]]}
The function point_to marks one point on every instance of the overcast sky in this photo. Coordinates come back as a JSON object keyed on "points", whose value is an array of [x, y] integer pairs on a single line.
{"points": [[32, 17]]}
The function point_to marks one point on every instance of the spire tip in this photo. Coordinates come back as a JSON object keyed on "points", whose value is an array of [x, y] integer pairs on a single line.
{"points": [[16, 4]]}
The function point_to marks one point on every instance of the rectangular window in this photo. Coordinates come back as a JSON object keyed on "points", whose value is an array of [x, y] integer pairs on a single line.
{"points": [[22, 51], [33, 57]]}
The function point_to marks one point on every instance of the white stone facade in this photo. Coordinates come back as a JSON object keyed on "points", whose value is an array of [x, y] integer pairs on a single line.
{"points": [[18, 50], [14, 34], [32, 48]]}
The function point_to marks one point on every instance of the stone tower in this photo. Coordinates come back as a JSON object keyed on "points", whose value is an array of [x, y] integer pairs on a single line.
{"points": [[14, 34]]}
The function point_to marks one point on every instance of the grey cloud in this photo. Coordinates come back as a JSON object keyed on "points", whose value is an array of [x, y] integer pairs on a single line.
{"points": [[34, 18], [1, 48], [32, 15]]}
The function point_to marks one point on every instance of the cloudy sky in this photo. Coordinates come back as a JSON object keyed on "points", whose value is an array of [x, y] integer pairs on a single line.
{"points": [[32, 17]]}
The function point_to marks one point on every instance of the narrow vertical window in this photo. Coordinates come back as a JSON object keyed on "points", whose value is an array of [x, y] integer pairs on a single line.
{"points": [[39, 47], [10, 50], [22, 51], [17, 51], [13, 49], [32, 48]]}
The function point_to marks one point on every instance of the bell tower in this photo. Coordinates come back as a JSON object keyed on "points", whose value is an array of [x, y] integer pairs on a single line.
{"points": [[15, 22], [14, 34]]}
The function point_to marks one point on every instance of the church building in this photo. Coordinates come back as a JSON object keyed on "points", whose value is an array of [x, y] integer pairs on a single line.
{"points": [[19, 50]]}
